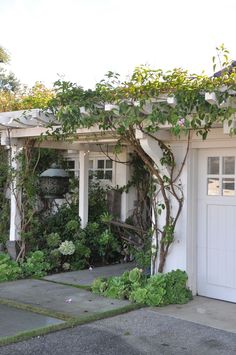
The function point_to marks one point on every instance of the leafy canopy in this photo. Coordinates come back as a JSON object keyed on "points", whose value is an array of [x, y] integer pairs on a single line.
{"points": [[38, 96], [141, 102]]}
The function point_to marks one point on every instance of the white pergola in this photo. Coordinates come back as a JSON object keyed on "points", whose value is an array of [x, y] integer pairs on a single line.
{"points": [[16, 126]]}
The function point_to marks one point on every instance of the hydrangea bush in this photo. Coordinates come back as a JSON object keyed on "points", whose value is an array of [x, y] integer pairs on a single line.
{"points": [[67, 248]]}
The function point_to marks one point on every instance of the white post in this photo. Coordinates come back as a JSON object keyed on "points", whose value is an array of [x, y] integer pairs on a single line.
{"points": [[83, 187], [15, 215], [122, 178]]}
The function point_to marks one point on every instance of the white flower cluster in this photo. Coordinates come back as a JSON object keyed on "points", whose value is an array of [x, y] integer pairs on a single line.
{"points": [[67, 248]]}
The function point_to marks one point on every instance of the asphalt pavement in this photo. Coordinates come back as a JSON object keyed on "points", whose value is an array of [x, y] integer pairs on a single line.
{"points": [[142, 331]]}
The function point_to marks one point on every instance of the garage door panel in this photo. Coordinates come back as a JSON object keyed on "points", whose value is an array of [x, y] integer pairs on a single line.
{"points": [[221, 227], [220, 268], [217, 227]]}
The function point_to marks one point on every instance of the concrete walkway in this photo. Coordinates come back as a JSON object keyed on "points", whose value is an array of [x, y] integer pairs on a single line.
{"points": [[86, 277], [60, 300], [14, 321]]}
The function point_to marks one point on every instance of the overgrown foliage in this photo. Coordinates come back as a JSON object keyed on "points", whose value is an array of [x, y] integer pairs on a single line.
{"points": [[157, 290], [66, 245], [140, 105]]}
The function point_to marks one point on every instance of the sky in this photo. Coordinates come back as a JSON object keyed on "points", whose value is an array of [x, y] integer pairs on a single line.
{"points": [[81, 40]]}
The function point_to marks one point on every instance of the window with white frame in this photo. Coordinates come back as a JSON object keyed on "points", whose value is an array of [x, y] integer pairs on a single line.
{"points": [[99, 167], [72, 166], [221, 176]]}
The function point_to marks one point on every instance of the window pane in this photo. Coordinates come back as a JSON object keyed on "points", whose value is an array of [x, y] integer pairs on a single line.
{"points": [[108, 174], [228, 165], [228, 187], [213, 187], [213, 166], [100, 174], [109, 164], [90, 164], [70, 164], [100, 164], [71, 174], [92, 174]]}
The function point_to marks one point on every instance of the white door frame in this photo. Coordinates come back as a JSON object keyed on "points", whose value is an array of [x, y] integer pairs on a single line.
{"points": [[191, 200]]}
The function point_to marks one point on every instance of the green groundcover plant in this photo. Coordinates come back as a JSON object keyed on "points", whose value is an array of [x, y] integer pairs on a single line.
{"points": [[157, 290], [9, 269], [35, 265]]}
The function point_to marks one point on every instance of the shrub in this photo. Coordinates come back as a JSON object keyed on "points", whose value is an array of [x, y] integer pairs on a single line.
{"points": [[61, 239], [80, 258], [53, 240], [142, 256], [97, 201], [108, 245], [35, 265], [157, 290], [54, 259], [9, 269], [62, 222]]}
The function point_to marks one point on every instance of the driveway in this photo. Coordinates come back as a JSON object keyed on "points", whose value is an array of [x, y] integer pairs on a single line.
{"points": [[143, 331], [57, 302]]}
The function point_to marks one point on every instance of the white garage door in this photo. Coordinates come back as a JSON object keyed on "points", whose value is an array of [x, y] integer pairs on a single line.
{"points": [[217, 224]]}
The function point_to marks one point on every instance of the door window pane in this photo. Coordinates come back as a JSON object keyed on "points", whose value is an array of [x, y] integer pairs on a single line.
{"points": [[228, 187], [213, 166], [213, 187], [228, 165]]}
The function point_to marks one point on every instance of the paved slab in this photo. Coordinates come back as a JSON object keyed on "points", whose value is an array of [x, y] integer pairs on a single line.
{"points": [[206, 311], [57, 297], [86, 277], [135, 333], [13, 321]]}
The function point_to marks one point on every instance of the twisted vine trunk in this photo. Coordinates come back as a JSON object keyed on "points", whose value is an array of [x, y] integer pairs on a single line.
{"points": [[168, 191]]}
